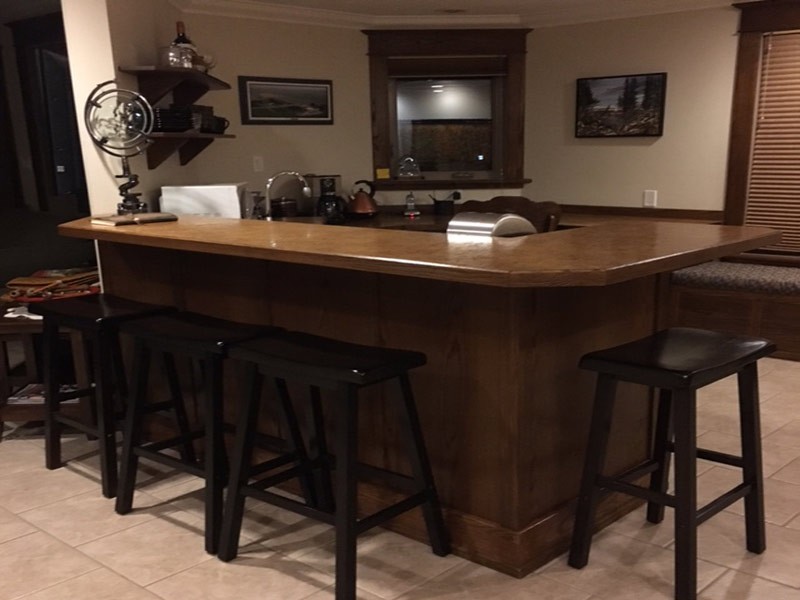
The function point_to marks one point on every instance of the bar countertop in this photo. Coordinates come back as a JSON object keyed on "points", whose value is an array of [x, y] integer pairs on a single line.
{"points": [[587, 256]]}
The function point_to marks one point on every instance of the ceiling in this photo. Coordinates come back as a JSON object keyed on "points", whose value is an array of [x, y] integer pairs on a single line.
{"points": [[427, 13], [408, 13]]}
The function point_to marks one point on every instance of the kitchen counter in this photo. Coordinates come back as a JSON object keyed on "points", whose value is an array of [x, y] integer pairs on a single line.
{"points": [[597, 255], [503, 322]]}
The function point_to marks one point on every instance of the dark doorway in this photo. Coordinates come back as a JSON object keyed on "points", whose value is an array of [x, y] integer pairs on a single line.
{"points": [[29, 240], [9, 168], [50, 114]]}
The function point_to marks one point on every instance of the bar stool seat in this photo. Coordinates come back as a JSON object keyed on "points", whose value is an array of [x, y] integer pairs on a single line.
{"points": [[344, 368], [205, 340], [97, 318], [678, 361]]}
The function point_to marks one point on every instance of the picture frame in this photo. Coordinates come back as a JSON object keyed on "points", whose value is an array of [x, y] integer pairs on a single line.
{"points": [[277, 101], [620, 106]]}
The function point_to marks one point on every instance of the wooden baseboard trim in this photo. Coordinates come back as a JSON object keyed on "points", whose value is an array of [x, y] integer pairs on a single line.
{"points": [[656, 213], [515, 553]]}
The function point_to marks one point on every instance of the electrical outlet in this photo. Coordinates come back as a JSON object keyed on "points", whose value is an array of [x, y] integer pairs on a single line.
{"points": [[650, 198], [258, 164]]}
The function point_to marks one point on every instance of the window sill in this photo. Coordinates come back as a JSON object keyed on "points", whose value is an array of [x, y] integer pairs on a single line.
{"points": [[447, 184]]}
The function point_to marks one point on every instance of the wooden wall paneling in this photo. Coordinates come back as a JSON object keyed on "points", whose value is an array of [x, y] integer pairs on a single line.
{"points": [[466, 393], [780, 322], [570, 322], [125, 269], [379, 100], [742, 126], [714, 309], [514, 120], [775, 15], [502, 403], [772, 316], [236, 289]]}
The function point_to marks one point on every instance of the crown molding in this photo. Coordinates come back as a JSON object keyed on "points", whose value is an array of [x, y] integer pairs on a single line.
{"points": [[251, 9], [628, 10], [562, 15]]}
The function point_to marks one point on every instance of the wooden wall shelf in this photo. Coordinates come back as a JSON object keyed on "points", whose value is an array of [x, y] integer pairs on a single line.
{"points": [[187, 144], [187, 86]]}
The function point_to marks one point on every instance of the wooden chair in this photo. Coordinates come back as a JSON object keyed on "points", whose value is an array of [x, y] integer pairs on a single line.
{"points": [[22, 331], [544, 215]]}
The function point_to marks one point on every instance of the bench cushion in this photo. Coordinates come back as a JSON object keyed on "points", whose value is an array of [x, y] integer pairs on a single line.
{"points": [[745, 277]]}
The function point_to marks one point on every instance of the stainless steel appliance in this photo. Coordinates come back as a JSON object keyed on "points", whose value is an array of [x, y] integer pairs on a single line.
{"points": [[490, 224]]}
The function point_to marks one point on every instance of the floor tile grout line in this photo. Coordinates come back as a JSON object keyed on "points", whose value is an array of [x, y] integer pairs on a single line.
{"points": [[725, 571], [569, 585], [753, 575], [59, 583]]}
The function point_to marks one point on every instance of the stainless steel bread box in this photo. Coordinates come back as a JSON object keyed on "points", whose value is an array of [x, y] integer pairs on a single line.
{"points": [[490, 224]]}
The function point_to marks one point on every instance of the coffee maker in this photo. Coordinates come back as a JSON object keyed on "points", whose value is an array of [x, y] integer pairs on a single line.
{"points": [[325, 192], [323, 184]]}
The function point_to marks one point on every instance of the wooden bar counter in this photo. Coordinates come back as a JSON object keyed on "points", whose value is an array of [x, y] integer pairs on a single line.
{"points": [[503, 322]]}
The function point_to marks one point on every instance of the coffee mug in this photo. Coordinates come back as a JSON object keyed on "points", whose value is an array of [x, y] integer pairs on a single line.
{"points": [[222, 122], [217, 125]]}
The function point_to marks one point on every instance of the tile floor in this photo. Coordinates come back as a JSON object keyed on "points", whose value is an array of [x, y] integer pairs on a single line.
{"points": [[60, 539]]}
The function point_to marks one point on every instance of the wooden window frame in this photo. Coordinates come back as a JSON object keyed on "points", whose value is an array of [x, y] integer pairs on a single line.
{"points": [[757, 19], [446, 52]]}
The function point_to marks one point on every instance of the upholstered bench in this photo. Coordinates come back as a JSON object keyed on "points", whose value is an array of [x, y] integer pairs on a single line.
{"points": [[744, 277], [740, 298]]}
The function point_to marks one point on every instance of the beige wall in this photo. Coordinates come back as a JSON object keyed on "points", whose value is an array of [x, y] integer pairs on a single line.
{"points": [[91, 62], [687, 164], [102, 35], [264, 49]]}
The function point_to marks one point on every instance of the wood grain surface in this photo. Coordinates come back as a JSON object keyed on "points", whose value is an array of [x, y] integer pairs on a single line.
{"points": [[587, 256]]}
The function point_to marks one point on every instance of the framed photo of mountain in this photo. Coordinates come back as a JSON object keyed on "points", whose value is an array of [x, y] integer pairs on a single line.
{"points": [[620, 106]]}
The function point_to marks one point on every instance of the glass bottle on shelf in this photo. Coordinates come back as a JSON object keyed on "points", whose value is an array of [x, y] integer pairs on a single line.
{"points": [[182, 52]]}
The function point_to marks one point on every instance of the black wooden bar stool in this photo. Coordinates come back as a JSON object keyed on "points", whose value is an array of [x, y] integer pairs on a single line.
{"points": [[202, 339], [677, 361], [344, 368], [97, 317]]}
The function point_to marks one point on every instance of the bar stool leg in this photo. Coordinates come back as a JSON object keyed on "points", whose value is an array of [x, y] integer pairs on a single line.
{"points": [[52, 427], [346, 495], [420, 466], [129, 461], [120, 378], [216, 463], [186, 449], [750, 425], [593, 466], [685, 494], [106, 421], [659, 479], [319, 447], [295, 442], [240, 465]]}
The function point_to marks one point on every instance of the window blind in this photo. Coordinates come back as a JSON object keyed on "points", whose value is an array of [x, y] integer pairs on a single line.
{"points": [[773, 197]]}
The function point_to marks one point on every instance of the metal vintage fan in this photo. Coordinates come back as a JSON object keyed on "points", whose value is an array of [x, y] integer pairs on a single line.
{"points": [[119, 122]]}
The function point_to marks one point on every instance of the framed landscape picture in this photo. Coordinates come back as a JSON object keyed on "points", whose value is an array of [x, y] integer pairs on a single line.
{"points": [[271, 101], [619, 106]]}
